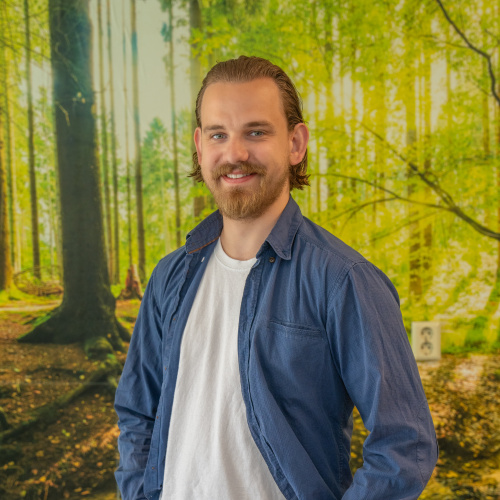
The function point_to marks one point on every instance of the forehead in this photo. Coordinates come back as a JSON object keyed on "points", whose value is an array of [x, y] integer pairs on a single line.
{"points": [[242, 101]]}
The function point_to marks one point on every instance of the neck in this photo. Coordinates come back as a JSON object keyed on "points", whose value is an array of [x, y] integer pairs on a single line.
{"points": [[242, 239]]}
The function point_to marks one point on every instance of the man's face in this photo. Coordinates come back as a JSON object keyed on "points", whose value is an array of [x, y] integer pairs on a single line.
{"points": [[244, 147]]}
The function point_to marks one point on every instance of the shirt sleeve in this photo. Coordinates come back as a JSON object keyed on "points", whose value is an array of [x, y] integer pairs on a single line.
{"points": [[371, 349], [137, 397]]}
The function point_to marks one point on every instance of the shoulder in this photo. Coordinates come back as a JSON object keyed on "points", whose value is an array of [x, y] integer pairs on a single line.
{"points": [[166, 272], [343, 265], [328, 244]]}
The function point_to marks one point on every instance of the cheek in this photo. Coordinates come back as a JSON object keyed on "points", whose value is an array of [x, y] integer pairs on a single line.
{"points": [[205, 167], [210, 156]]}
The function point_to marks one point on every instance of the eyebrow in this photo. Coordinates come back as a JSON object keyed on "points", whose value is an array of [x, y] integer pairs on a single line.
{"points": [[212, 128], [261, 124]]}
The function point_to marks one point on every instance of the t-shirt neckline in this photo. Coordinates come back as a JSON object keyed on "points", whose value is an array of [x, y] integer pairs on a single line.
{"points": [[225, 260]]}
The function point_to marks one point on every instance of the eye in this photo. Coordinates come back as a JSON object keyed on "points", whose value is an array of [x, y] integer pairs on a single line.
{"points": [[218, 136], [256, 133]]}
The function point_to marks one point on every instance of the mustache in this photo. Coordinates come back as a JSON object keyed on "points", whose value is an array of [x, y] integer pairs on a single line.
{"points": [[244, 168]]}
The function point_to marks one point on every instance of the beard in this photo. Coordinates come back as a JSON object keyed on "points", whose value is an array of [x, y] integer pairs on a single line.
{"points": [[240, 203]]}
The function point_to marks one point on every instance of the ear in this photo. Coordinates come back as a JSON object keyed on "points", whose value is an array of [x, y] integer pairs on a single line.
{"points": [[197, 143], [299, 138]]}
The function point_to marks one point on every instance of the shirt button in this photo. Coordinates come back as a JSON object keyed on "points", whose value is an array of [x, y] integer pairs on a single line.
{"points": [[272, 259]]}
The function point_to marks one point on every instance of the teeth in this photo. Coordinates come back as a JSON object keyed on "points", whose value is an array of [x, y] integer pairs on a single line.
{"points": [[237, 176]]}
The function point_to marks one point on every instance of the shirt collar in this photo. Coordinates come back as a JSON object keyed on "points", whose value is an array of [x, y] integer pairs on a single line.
{"points": [[280, 238], [283, 233], [207, 231]]}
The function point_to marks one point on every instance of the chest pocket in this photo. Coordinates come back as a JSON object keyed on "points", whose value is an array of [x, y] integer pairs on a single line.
{"points": [[291, 356], [291, 364], [293, 331]]}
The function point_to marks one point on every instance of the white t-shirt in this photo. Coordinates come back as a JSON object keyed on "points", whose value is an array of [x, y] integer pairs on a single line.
{"points": [[211, 454]]}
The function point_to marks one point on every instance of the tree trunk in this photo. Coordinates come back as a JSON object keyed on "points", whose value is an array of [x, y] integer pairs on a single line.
{"points": [[486, 117], [497, 109], [10, 166], [428, 229], [116, 233], [353, 167], [87, 310], [138, 159], [331, 160], [318, 141], [195, 72], [497, 114], [104, 146], [52, 223], [127, 158], [354, 116], [486, 96], [35, 242], [476, 338], [5, 260], [57, 196], [415, 262], [132, 288], [496, 287], [380, 101], [164, 202], [498, 182], [174, 130], [342, 121], [314, 161], [353, 142]]}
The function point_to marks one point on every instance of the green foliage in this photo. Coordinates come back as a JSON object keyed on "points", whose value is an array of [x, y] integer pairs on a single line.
{"points": [[357, 66], [475, 337], [12, 294], [158, 185]]}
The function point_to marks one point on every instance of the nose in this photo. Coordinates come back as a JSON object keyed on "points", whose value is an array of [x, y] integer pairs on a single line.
{"points": [[236, 151]]}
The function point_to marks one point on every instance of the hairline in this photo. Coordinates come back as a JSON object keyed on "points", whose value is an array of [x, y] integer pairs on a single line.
{"points": [[247, 80]]}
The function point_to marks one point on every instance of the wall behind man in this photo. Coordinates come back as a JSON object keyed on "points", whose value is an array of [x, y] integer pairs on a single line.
{"points": [[401, 100]]}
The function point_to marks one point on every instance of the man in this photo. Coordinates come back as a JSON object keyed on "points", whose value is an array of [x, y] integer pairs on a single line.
{"points": [[256, 338]]}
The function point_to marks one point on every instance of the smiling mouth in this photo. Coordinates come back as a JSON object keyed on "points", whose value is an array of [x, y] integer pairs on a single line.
{"points": [[237, 176]]}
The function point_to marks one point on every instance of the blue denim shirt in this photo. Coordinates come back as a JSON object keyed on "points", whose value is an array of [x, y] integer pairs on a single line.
{"points": [[320, 331]]}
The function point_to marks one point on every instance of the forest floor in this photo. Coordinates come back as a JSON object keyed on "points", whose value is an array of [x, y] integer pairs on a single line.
{"points": [[72, 454]]}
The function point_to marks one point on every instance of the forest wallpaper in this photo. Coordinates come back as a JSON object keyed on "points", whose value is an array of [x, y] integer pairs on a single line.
{"points": [[402, 98]]}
